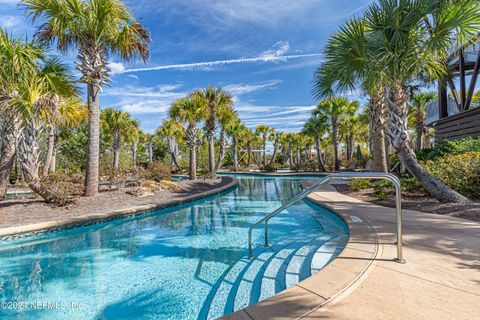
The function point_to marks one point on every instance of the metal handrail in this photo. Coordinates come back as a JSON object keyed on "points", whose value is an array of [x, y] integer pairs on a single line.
{"points": [[328, 179]]}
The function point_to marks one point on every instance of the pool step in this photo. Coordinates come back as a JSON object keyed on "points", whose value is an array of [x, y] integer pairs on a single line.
{"points": [[273, 270]]}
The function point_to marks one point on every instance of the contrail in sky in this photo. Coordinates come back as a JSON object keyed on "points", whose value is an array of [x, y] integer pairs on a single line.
{"points": [[224, 62]]}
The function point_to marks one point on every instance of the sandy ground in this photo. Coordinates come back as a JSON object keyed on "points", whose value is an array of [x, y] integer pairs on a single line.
{"points": [[17, 212], [420, 202]]}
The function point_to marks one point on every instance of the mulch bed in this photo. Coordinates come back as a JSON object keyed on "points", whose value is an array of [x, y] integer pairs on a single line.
{"points": [[419, 202], [17, 212]]}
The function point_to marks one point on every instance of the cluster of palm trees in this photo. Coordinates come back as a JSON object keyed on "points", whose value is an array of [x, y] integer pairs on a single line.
{"points": [[37, 99], [96, 29], [394, 44]]}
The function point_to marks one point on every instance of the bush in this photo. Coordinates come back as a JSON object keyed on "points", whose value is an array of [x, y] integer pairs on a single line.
{"points": [[64, 187], [455, 147], [460, 172], [269, 168], [157, 171], [359, 184], [383, 188]]}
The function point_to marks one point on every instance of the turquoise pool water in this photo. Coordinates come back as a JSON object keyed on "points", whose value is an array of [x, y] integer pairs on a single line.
{"points": [[163, 265]]}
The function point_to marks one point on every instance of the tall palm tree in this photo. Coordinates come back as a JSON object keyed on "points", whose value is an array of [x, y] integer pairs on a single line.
{"points": [[173, 132], [335, 110], [264, 131], [19, 60], [117, 125], [190, 110], [226, 117], [317, 127], [418, 115], [215, 99], [347, 66], [419, 47], [96, 28]]}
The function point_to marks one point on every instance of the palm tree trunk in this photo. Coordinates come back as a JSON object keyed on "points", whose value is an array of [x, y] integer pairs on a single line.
{"points": [[53, 164], [377, 132], [398, 134], [221, 156], [192, 142], [321, 166], [335, 144], [10, 135], [150, 151], [264, 151], [30, 155], [420, 129], [93, 151], [193, 163], [211, 153], [274, 156], [50, 147], [235, 154], [116, 160]]}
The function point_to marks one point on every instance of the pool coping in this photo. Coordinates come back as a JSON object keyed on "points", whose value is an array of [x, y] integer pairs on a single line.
{"points": [[335, 281], [10, 233]]}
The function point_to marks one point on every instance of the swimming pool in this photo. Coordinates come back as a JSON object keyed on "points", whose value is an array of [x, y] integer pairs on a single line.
{"points": [[186, 262]]}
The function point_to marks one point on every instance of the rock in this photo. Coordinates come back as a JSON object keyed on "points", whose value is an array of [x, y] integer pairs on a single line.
{"points": [[132, 183], [140, 192], [169, 185]]}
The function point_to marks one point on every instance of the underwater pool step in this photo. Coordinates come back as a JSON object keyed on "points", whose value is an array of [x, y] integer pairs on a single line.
{"points": [[274, 269], [250, 288], [219, 303]]}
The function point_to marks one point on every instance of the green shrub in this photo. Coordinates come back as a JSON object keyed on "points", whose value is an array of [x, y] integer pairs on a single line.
{"points": [[460, 172], [359, 184], [383, 188], [157, 171], [269, 168], [455, 147], [410, 184]]}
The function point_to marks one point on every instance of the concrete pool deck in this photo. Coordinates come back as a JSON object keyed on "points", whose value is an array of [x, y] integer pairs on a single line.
{"points": [[441, 279]]}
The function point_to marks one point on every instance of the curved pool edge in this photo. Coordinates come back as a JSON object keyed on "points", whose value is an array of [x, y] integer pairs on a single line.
{"points": [[88, 219], [335, 281]]}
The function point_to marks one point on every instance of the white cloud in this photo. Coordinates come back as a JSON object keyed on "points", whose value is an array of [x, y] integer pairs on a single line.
{"points": [[11, 21], [116, 68], [242, 88], [278, 50]]}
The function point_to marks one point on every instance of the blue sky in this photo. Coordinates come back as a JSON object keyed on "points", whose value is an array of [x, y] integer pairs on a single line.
{"points": [[263, 52]]}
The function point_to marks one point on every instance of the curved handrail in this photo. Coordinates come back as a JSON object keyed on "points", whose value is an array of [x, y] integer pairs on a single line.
{"points": [[328, 179]]}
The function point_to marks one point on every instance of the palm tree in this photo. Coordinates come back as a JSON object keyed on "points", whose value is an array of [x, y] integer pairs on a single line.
{"points": [[227, 117], [133, 136], [117, 125], [317, 127], [263, 131], [347, 65], [97, 28], [18, 61], [275, 137], [190, 110], [237, 132], [419, 47], [172, 131], [335, 110], [215, 99], [71, 114], [66, 108], [149, 140], [418, 115]]}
